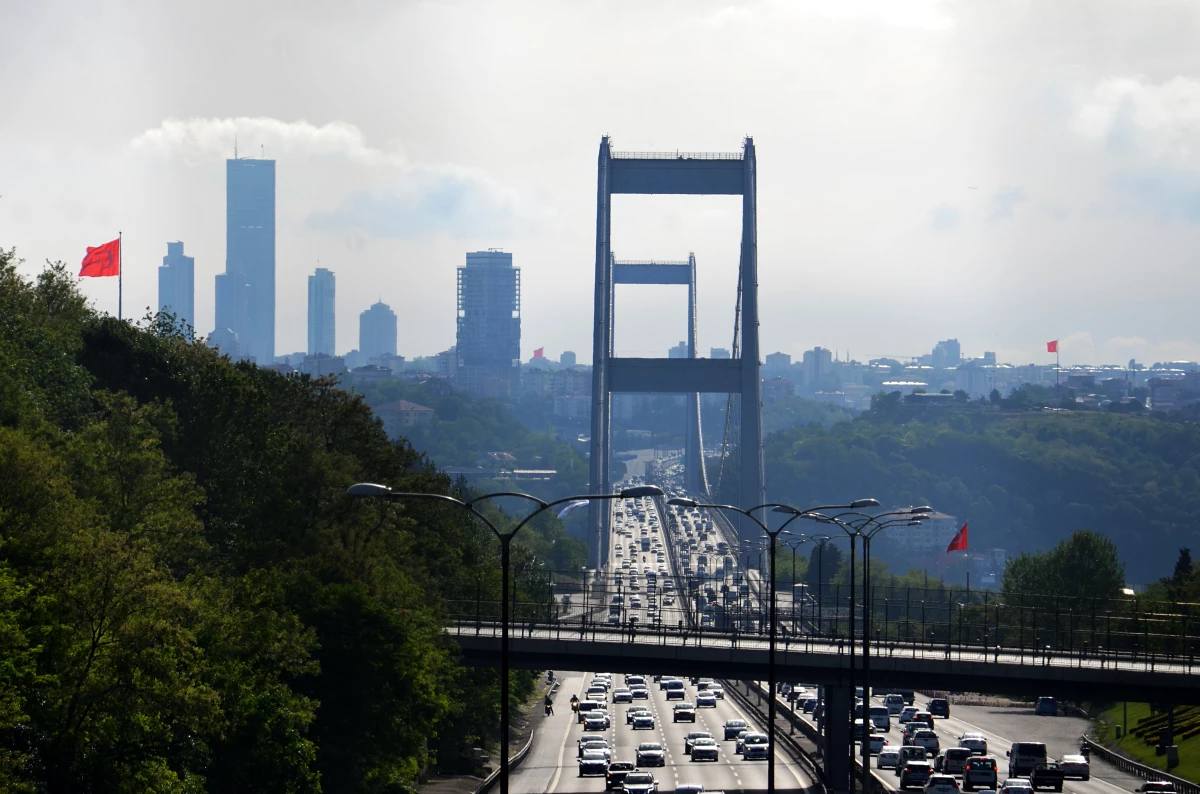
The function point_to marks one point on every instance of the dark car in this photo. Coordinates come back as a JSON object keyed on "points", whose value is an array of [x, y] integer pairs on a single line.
{"points": [[953, 761], [1046, 706], [938, 707], [691, 738], [980, 772], [915, 773], [683, 712], [617, 771]]}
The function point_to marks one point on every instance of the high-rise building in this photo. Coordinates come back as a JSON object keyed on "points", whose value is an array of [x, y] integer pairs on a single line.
{"points": [[177, 287], [679, 351], [946, 353], [818, 363], [718, 352], [488, 349], [321, 293], [377, 331], [246, 290], [567, 359], [776, 365]]}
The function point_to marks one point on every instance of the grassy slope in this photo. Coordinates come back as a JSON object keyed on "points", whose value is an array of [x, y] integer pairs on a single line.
{"points": [[1136, 747]]}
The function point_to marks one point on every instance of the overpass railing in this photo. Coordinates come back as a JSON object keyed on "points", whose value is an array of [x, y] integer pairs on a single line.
{"points": [[897, 619]]}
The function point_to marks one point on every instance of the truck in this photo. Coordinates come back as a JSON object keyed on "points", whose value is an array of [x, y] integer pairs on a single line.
{"points": [[1029, 759]]}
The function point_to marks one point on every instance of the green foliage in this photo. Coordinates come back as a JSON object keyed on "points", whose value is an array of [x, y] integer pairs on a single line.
{"points": [[188, 600], [1024, 480], [1083, 566], [795, 411]]}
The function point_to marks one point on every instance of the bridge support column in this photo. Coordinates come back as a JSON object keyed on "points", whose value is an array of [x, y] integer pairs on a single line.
{"points": [[838, 742]]}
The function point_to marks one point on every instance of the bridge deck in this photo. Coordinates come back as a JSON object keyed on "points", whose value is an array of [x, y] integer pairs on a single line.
{"points": [[964, 668]]}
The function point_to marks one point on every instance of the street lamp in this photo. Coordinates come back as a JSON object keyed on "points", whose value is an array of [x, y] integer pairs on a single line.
{"points": [[794, 514], [854, 528], [366, 489]]}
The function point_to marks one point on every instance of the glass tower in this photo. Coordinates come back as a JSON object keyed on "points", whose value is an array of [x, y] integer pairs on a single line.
{"points": [[321, 291], [246, 290], [377, 331], [177, 287], [489, 325]]}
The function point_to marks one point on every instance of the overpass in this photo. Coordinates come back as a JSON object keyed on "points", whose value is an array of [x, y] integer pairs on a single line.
{"points": [[1161, 677]]}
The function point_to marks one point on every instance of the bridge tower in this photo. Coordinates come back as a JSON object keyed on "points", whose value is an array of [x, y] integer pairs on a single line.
{"points": [[674, 173], [651, 272]]}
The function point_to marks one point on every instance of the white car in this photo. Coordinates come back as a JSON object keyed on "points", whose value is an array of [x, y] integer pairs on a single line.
{"points": [[927, 739], [878, 742], [941, 784], [639, 782], [596, 721], [640, 692], [1016, 785], [1075, 766], [706, 700], [705, 749], [975, 742], [907, 714], [622, 695], [643, 722], [888, 758]]}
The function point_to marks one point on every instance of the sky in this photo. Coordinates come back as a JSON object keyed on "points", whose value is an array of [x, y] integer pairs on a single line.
{"points": [[1005, 172]]}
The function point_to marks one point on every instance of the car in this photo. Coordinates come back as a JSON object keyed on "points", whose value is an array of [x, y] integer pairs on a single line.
{"points": [[593, 743], [650, 754], [927, 739], [1046, 706], [596, 721], [888, 758], [915, 773], [755, 745], [706, 700], [683, 712], [692, 737], [633, 712], [1024, 757], [1016, 785], [975, 742], [593, 762], [643, 722], [924, 715], [1156, 787], [631, 680], [622, 695], [616, 773], [953, 761], [941, 784], [979, 772], [938, 707], [733, 728], [663, 681], [717, 690], [894, 703], [639, 782], [908, 754], [689, 788], [586, 706], [808, 705], [877, 743], [880, 718], [705, 749], [640, 693], [675, 690], [910, 730], [739, 744], [907, 714]]}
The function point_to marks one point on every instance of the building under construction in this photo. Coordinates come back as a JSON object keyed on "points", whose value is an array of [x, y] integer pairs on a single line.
{"points": [[489, 326]]}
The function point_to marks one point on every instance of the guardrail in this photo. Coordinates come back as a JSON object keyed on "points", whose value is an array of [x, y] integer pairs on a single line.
{"points": [[797, 752], [1132, 767], [486, 785]]}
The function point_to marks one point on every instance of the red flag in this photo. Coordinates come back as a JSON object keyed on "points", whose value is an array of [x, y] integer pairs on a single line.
{"points": [[538, 353], [102, 260], [1052, 347], [959, 543]]}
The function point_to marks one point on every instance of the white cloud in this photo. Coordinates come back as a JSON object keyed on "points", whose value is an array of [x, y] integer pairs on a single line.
{"points": [[922, 14], [1158, 119]]}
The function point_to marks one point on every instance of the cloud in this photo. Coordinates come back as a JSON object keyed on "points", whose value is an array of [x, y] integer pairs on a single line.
{"points": [[943, 218], [1165, 195], [1005, 201], [387, 196], [1130, 114]]}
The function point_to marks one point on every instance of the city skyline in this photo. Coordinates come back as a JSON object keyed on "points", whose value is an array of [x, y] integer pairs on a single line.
{"points": [[1053, 199]]}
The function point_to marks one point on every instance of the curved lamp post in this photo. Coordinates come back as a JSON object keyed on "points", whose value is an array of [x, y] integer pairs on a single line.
{"points": [[366, 489], [865, 526], [794, 514]]}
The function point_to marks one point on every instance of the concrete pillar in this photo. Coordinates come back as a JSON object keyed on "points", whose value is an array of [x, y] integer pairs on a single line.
{"points": [[837, 738]]}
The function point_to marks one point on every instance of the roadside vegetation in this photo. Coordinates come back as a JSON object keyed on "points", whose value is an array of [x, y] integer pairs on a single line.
{"points": [[188, 600]]}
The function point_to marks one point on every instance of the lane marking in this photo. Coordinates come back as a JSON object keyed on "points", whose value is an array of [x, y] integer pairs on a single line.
{"points": [[562, 748]]}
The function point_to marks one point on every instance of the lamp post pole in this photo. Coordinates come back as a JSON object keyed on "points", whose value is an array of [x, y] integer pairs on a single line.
{"points": [[793, 514], [866, 526], [505, 538]]}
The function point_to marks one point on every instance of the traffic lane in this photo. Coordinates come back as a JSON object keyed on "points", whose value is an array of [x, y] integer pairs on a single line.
{"points": [[1003, 726], [552, 748], [721, 775]]}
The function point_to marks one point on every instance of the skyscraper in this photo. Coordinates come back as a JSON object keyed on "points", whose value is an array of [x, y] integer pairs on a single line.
{"points": [[321, 292], [246, 290], [177, 287], [489, 325], [377, 331]]}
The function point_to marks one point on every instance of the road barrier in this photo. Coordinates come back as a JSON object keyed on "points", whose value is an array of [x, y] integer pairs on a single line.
{"points": [[486, 784], [1132, 767], [802, 756]]}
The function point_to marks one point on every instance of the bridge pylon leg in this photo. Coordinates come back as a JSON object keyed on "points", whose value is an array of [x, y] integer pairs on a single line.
{"points": [[838, 742]]}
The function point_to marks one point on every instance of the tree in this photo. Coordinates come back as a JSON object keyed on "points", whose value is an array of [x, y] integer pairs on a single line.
{"points": [[1083, 566], [1183, 567]]}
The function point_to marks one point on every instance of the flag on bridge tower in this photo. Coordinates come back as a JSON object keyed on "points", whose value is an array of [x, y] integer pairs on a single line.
{"points": [[959, 541]]}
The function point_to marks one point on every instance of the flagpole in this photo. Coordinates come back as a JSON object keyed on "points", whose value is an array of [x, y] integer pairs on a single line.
{"points": [[120, 271]]}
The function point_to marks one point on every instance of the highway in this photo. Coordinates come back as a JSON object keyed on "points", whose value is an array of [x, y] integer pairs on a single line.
{"points": [[552, 765]]}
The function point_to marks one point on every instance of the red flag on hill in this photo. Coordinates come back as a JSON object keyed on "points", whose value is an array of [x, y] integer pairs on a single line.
{"points": [[959, 542], [1052, 347], [102, 260]]}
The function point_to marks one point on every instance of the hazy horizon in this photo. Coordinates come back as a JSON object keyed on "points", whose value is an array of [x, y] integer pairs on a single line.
{"points": [[1001, 173]]}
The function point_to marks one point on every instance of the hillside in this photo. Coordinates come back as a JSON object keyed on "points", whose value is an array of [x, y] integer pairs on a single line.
{"points": [[1023, 480]]}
